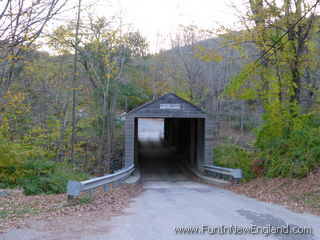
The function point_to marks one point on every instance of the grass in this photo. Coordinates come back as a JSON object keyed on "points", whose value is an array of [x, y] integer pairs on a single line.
{"points": [[85, 199], [310, 199], [8, 209], [23, 211], [3, 213], [20, 210]]}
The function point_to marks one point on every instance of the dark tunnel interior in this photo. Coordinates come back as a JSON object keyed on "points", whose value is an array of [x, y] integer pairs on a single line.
{"points": [[162, 143]]}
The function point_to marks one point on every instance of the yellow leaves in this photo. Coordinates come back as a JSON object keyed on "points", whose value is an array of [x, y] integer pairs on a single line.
{"points": [[15, 99], [23, 47], [109, 75], [14, 109], [206, 55], [4, 124], [10, 57], [294, 85]]}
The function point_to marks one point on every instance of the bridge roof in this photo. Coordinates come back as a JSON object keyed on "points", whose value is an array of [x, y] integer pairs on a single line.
{"points": [[168, 106]]}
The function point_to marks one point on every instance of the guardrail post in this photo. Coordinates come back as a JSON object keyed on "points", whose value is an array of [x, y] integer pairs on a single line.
{"points": [[237, 173], [73, 189], [118, 183], [91, 192], [106, 188]]}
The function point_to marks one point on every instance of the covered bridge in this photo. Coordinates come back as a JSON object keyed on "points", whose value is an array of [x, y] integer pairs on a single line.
{"points": [[186, 128]]}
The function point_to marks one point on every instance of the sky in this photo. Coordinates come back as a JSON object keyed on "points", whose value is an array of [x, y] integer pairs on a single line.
{"points": [[157, 20]]}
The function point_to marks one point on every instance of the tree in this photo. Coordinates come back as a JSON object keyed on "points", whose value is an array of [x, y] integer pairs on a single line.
{"points": [[74, 92], [282, 33], [104, 58], [22, 22], [105, 53], [191, 68]]}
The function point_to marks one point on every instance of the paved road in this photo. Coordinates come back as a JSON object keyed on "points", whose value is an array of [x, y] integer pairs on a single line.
{"points": [[166, 205], [171, 200]]}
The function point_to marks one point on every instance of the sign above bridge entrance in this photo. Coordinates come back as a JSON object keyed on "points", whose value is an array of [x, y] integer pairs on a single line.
{"points": [[169, 106]]}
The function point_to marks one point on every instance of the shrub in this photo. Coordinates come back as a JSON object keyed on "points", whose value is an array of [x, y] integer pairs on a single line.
{"points": [[48, 177], [13, 156], [293, 151], [234, 156], [258, 167], [21, 165]]}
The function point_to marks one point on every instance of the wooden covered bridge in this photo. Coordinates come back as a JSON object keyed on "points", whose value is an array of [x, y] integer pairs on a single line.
{"points": [[186, 128]]}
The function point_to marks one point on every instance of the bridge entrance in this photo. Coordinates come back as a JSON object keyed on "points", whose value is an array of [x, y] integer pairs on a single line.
{"points": [[166, 132], [157, 159]]}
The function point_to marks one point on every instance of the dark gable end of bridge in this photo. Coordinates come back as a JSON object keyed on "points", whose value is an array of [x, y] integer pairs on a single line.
{"points": [[167, 106]]}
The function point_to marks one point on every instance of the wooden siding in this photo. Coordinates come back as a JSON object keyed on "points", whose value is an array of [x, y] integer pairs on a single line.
{"points": [[152, 109]]}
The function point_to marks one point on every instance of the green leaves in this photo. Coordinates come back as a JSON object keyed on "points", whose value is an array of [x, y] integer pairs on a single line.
{"points": [[47, 177], [234, 156], [293, 149], [245, 85]]}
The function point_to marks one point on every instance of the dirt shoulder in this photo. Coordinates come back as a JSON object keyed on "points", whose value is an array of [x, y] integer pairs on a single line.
{"points": [[59, 215], [300, 195]]}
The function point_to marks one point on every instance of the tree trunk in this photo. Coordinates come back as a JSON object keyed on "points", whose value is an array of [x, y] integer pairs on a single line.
{"points": [[74, 92], [63, 127], [242, 117]]}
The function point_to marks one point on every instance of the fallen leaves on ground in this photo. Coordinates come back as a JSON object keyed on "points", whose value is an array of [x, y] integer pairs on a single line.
{"points": [[17, 209], [301, 195]]}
